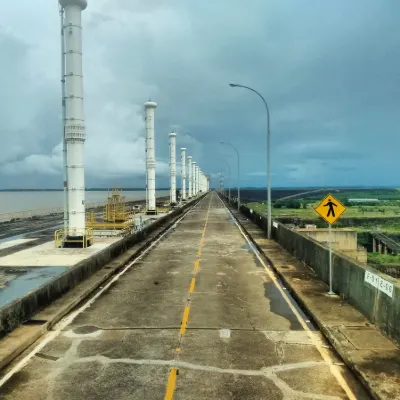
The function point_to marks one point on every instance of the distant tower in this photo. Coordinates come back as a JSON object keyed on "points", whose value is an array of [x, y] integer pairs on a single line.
{"points": [[74, 120], [150, 158], [194, 178], [172, 166], [200, 181], [202, 188], [197, 179], [190, 176], [183, 172]]}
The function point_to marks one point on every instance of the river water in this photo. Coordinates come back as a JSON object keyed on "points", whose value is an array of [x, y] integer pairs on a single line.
{"points": [[22, 201]]}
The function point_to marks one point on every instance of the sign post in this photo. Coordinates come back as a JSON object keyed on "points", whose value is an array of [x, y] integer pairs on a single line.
{"points": [[330, 209], [330, 261]]}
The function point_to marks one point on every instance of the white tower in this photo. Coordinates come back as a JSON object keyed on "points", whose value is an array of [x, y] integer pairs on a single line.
{"points": [[197, 179], [194, 178], [74, 118], [150, 158], [183, 172], [200, 181], [172, 166], [190, 176]]}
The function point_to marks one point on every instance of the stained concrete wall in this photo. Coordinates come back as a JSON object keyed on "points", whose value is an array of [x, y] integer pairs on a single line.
{"points": [[348, 274], [24, 308], [342, 238]]}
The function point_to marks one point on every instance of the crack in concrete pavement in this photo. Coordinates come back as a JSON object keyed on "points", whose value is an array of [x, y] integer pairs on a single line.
{"points": [[71, 357]]}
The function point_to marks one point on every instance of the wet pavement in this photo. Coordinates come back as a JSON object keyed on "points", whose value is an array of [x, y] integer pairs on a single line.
{"points": [[198, 317], [16, 282]]}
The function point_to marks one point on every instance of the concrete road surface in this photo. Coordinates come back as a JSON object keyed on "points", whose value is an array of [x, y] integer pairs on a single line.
{"points": [[197, 317]]}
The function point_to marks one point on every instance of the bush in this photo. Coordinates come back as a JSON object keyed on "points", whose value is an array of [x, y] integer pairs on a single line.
{"points": [[293, 204]]}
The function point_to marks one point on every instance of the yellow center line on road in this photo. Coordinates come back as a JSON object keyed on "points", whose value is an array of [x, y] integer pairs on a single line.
{"points": [[169, 394], [191, 290], [171, 385], [184, 320]]}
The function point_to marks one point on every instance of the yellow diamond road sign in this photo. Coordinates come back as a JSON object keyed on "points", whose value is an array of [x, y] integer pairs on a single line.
{"points": [[330, 209]]}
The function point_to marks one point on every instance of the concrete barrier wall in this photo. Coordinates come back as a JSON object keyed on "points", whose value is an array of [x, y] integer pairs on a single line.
{"points": [[348, 276], [24, 308]]}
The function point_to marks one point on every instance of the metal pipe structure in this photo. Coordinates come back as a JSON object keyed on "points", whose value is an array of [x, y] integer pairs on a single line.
{"points": [[74, 118], [150, 158], [183, 173], [269, 207], [172, 166], [238, 163], [194, 178], [64, 146], [221, 183], [190, 176]]}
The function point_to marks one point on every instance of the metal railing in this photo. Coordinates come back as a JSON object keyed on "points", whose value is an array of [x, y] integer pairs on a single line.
{"points": [[84, 238]]}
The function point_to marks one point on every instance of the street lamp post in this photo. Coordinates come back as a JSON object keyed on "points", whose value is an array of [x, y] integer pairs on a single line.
{"points": [[269, 208], [238, 164]]}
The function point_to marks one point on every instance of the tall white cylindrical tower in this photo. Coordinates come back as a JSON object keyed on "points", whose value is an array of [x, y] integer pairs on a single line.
{"points": [[150, 158], [74, 117], [190, 176], [200, 180], [183, 173], [64, 145], [172, 166], [197, 179], [194, 178]]}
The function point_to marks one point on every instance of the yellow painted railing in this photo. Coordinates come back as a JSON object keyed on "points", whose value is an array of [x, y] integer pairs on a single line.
{"points": [[86, 238]]}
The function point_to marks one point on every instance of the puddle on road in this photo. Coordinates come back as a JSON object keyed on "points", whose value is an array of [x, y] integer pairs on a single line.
{"points": [[16, 282], [280, 307]]}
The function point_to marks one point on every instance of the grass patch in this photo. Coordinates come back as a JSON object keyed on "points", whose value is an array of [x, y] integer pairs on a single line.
{"points": [[383, 259], [380, 211]]}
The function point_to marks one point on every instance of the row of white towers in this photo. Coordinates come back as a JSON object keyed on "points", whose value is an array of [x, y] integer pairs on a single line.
{"points": [[74, 132], [193, 181]]}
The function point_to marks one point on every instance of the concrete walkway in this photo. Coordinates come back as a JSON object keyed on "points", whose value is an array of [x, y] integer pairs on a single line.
{"points": [[199, 316]]}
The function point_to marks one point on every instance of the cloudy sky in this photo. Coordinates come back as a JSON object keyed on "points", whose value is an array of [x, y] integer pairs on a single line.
{"points": [[330, 71]]}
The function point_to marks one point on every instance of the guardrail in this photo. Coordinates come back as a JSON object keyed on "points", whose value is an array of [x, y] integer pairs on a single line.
{"points": [[29, 214]]}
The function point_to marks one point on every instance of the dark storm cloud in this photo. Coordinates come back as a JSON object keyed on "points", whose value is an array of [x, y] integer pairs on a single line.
{"points": [[329, 71]]}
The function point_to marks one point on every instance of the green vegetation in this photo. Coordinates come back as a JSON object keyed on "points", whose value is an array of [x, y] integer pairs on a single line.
{"points": [[377, 259], [387, 210], [305, 210]]}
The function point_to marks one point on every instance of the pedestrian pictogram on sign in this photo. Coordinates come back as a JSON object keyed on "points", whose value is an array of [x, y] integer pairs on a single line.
{"points": [[330, 209]]}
